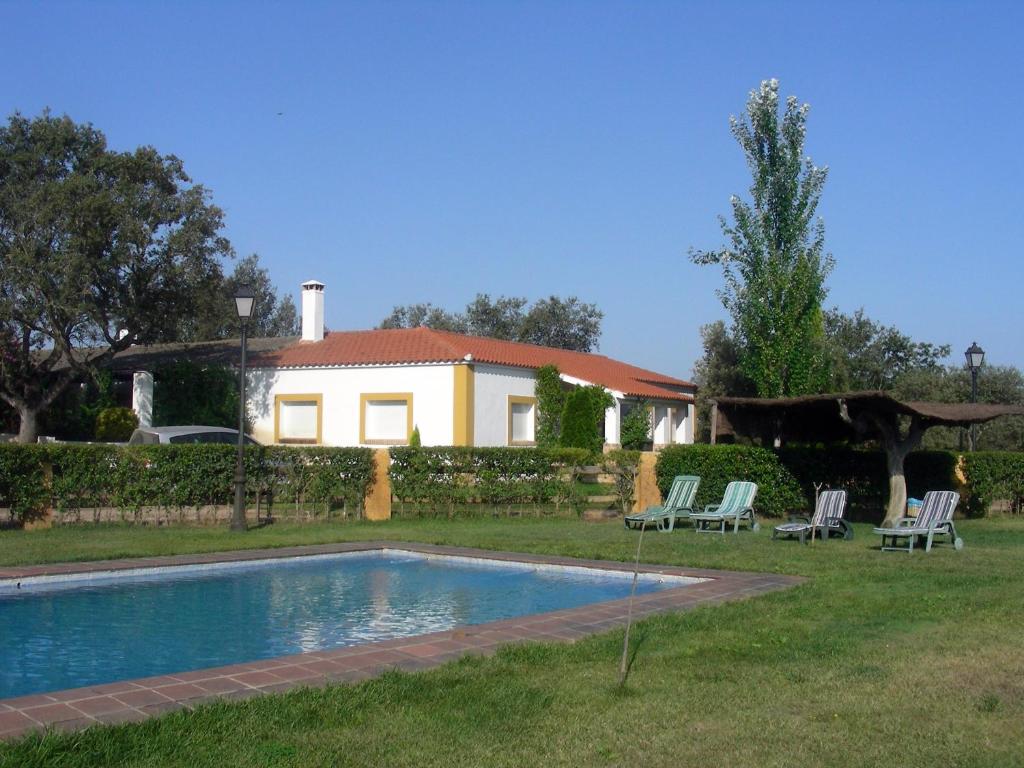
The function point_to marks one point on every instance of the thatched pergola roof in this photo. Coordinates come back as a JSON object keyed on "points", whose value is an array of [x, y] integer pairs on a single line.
{"points": [[827, 418]]}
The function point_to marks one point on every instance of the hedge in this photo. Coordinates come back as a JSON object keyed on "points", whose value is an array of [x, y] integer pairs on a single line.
{"points": [[778, 490], [76, 477], [864, 476], [443, 478], [994, 476]]}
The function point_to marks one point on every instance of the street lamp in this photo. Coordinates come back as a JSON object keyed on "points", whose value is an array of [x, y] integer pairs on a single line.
{"points": [[975, 358], [245, 298]]}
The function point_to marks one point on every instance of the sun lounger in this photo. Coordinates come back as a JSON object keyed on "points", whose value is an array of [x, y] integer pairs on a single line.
{"points": [[934, 519], [826, 520]]}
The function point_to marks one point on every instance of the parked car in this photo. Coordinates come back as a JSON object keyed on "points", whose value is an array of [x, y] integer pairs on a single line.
{"points": [[187, 434]]}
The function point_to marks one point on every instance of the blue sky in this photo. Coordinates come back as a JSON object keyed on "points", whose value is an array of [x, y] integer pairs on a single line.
{"points": [[429, 151]]}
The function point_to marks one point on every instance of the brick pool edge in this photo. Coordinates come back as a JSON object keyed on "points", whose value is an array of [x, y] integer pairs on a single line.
{"points": [[133, 700]]}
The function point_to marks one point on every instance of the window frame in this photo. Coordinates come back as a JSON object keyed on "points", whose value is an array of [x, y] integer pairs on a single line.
{"points": [[367, 397], [306, 398], [521, 400]]}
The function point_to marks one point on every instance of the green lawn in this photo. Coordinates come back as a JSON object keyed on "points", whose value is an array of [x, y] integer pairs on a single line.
{"points": [[879, 659]]}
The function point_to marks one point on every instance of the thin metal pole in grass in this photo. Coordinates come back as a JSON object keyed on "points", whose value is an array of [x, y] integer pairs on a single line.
{"points": [[817, 492], [623, 665]]}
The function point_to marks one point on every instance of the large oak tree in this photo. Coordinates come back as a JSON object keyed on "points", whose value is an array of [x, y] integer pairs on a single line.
{"points": [[99, 250]]}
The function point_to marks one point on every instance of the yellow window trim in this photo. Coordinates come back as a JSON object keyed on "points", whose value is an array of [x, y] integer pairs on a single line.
{"points": [[367, 397], [519, 400], [308, 398]]}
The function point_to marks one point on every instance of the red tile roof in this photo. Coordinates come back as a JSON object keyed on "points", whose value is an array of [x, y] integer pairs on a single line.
{"points": [[426, 345]]}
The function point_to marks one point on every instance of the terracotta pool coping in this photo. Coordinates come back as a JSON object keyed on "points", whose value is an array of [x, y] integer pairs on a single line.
{"points": [[139, 699]]}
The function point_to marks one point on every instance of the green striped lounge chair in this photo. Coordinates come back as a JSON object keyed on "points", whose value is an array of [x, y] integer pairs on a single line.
{"points": [[826, 520], [678, 503], [737, 505], [934, 519]]}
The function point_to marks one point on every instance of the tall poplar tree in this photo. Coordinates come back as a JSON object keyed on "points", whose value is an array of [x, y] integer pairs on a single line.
{"points": [[774, 263]]}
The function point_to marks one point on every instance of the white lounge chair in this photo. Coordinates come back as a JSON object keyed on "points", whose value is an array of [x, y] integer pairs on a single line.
{"points": [[678, 503], [934, 519], [826, 520], [737, 505]]}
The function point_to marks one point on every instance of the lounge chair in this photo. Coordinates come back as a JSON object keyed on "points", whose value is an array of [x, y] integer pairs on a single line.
{"points": [[826, 520], [678, 503], [934, 519], [737, 505]]}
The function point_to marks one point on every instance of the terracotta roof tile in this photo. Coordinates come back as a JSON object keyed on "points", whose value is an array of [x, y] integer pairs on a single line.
{"points": [[426, 345]]}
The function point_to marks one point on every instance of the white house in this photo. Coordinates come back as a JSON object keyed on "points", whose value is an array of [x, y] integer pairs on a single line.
{"points": [[373, 387]]}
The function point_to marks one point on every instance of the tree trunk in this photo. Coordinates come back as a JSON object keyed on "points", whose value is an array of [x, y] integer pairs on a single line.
{"points": [[897, 505], [27, 429], [896, 449]]}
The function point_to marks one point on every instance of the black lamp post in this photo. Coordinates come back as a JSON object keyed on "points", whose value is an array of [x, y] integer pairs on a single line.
{"points": [[245, 298], [975, 357]]}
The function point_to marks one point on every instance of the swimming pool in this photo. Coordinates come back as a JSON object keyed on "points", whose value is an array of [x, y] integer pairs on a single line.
{"points": [[85, 629]]}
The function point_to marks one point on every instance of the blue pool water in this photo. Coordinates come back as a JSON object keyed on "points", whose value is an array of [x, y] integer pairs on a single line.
{"points": [[89, 631]]}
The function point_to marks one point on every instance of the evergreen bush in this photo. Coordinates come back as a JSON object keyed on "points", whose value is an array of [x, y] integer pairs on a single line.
{"points": [[116, 424]]}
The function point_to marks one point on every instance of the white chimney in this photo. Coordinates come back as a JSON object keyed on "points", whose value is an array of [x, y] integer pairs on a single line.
{"points": [[312, 310]]}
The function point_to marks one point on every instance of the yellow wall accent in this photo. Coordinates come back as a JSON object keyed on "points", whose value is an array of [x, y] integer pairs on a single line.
{"points": [[462, 400], [309, 398], [391, 396], [514, 400], [377, 505], [646, 492]]}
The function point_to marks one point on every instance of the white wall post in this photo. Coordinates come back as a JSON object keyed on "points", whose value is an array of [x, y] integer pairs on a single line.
{"points": [[142, 397], [611, 423]]}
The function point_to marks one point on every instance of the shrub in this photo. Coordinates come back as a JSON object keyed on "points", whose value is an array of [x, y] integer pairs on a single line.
{"points": [[581, 418], [415, 441], [191, 393], [442, 478], [177, 476], [550, 403], [994, 476], [116, 424], [778, 490], [23, 481], [864, 476], [635, 430], [624, 465]]}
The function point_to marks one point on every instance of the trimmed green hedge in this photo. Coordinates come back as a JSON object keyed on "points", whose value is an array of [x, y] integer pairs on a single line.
{"points": [[443, 478], [864, 476], [75, 477], [994, 476], [778, 491], [786, 477]]}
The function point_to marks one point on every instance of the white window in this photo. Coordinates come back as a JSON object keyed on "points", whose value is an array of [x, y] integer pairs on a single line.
{"points": [[298, 418], [522, 413], [386, 418]]}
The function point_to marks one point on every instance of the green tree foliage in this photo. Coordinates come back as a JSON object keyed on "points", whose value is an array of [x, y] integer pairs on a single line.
{"points": [[635, 430], [116, 424], [415, 441], [551, 322], [191, 393], [272, 316], [578, 429], [582, 417], [718, 373], [551, 396], [868, 355], [99, 250], [774, 264], [952, 384]]}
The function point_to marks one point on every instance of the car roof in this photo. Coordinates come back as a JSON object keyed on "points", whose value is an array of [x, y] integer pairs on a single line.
{"points": [[186, 430]]}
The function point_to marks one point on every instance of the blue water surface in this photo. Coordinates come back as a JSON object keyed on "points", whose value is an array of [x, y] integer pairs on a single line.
{"points": [[72, 634]]}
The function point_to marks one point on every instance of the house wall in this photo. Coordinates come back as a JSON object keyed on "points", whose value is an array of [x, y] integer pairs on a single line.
{"points": [[492, 385], [431, 386]]}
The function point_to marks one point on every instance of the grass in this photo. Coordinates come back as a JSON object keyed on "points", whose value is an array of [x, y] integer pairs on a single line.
{"points": [[879, 659]]}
